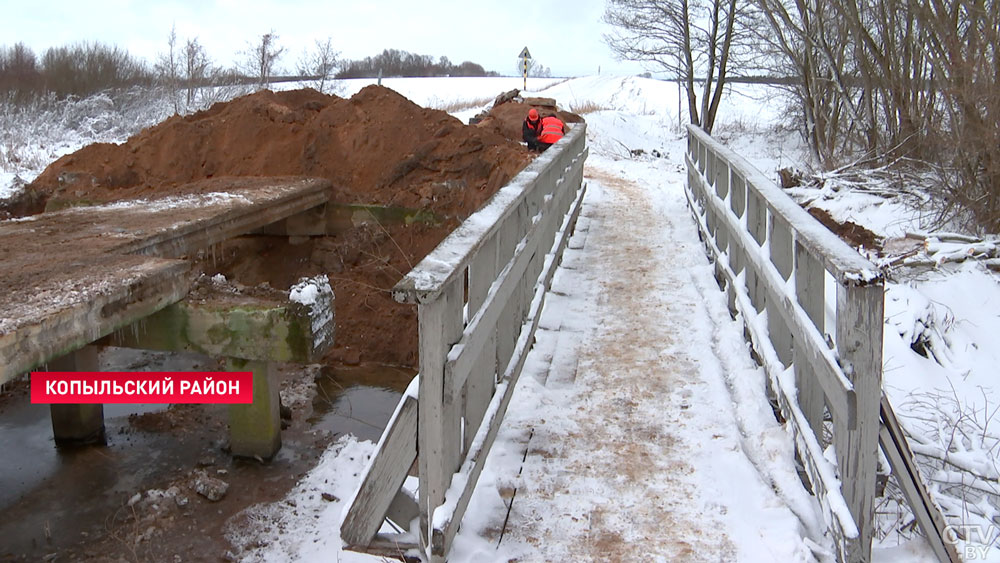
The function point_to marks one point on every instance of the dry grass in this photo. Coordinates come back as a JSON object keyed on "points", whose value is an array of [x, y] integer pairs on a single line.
{"points": [[585, 107]]}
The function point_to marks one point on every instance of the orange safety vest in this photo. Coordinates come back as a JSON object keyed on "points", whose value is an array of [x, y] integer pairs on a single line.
{"points": [[552, 130]]}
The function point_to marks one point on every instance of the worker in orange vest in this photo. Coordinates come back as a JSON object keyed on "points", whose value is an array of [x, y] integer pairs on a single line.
{"points": [[530, 128], [551, 131]]}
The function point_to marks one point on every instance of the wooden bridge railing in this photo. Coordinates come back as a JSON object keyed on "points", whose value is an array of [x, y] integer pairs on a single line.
{"points": [[777, 264], [478, 295]]}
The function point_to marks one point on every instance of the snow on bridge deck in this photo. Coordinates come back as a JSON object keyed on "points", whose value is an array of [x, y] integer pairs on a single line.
{"points": [[641, 419], [639, 430]]}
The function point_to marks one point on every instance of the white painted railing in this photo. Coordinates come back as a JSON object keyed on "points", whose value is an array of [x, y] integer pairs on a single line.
{"points": [[777, 264], [479, 295]]}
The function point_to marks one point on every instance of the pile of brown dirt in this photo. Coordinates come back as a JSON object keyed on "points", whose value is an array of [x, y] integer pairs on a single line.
{"points": [[849, 231], [376, 148]]}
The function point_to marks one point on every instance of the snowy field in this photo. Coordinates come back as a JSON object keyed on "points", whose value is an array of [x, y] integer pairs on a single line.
{"points": [[940, 352]]}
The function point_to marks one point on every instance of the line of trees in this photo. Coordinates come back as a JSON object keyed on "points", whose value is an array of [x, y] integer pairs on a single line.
{"points": [[81, 69], [185, 66], [876, 83], [393, 62]]}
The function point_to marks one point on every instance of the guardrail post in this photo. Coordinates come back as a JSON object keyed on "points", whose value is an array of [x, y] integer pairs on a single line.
{"points": [[482, 381], [810, 279], [779, 243], [757, 226], [859, 344], [439, 430]]}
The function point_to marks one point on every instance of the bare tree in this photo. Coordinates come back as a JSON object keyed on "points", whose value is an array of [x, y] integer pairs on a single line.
{"points": [[809, 45], [320, 64], [168, 68], [695, 40], [196, 67], [262, 56], [535, 69], [890, 81], [962, 42]]}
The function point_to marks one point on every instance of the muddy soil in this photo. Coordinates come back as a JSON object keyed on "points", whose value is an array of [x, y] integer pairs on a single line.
{"points": [[849, 231]]}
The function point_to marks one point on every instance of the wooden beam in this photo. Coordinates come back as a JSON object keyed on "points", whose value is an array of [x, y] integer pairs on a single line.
{"points": [[386, 472], [904, 467]]}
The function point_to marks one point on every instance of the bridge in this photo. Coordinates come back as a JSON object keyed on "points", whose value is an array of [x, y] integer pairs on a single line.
{"points": [[632, 387], [481, 297]]}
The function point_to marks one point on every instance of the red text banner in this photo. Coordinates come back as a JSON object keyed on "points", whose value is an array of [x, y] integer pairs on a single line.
{"points": [[58, 387]]}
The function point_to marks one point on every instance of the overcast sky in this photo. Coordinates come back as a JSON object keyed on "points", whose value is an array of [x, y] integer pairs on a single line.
{"points": [[564, 35]]}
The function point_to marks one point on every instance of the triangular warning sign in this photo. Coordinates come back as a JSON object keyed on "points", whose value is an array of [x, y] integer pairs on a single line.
{"points": [[524, 54]]}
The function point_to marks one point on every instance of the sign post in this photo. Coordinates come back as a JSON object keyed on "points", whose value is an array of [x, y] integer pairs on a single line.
{"points": [[524, 56]]}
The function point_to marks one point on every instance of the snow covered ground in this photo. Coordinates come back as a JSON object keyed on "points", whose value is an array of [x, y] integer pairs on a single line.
{"points": [[940, 356]]}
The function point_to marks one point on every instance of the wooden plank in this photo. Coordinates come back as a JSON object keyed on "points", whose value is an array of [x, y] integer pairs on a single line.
{"points": [[452, 417], [438, 434], [382, 480], [892, 439], [738, 201], [780, 245], [721, 178], [392, 546], [505, 335], [482, 273], [431, 318], [479, 389], [756, 214], [779, 242], [446, 525], [482, 380], [859, 345]]}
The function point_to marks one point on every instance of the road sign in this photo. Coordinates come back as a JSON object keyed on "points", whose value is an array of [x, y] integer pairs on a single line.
{"points": [[524, 54]]}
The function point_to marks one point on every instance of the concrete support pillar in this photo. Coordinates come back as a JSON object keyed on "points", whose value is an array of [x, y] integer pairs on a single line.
{"points": [[255, 429], [77, 425]]}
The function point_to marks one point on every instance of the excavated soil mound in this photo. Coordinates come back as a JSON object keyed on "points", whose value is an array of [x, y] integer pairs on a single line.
{"points": [[376, 148], [505, 119]]}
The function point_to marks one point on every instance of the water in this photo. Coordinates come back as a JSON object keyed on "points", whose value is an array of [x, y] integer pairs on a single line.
{"points": [[69, 500]]}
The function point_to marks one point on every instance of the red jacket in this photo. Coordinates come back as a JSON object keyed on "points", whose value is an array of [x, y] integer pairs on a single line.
{"points": [[552, 130]]}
